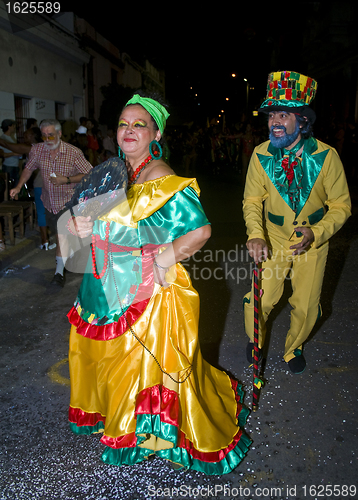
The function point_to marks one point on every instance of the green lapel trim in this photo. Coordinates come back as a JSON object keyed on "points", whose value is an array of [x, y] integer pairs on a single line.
{"points": [[311, 167]]}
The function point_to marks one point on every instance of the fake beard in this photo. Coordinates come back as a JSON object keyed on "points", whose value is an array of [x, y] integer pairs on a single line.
{"points": [[285, 140]]}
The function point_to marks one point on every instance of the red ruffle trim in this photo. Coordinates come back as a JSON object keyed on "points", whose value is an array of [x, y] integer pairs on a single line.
{"points": [[82, 418], [210, 456], [130, 441], [110, 331], [159, 400]]}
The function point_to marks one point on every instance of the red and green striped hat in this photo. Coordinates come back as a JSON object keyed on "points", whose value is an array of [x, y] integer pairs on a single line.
{"points": [[290, 91]]}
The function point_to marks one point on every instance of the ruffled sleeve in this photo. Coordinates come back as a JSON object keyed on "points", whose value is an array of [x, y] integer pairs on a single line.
{"points": [[181, 214], [162, 209]]}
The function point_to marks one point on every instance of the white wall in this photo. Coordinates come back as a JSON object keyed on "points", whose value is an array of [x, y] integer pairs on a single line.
{"points": [[36, 71], [7, 110]]}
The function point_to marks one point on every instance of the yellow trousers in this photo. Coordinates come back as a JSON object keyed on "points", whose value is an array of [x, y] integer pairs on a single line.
{"points": [[306, 273]]}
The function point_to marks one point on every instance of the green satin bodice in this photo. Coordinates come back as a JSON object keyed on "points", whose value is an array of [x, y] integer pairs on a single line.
{"points": [[133, 244]]}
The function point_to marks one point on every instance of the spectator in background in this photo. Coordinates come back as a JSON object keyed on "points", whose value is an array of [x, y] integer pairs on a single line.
{"points": [[93, 143], [247, 147], [10, 163], [82, 129], [350, 150], [80, 140], [108, 142], [2, 241], [62, 166], [33, 136], [31, 123]]}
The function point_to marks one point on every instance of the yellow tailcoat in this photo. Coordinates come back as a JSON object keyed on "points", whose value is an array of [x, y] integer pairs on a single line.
{"points": [[269, 216]]}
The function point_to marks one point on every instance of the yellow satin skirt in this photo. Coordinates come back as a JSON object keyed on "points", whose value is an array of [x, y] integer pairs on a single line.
{"points": [[150, 391]]}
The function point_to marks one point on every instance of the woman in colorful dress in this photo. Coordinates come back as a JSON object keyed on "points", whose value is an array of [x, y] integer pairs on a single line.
{"points": [[136, 369]]}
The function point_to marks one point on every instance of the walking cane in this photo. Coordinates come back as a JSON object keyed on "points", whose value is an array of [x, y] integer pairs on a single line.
{"points": [[257, 382]]}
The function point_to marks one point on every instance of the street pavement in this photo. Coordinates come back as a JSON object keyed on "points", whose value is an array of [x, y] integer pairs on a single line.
{"points": [[305, 430]]}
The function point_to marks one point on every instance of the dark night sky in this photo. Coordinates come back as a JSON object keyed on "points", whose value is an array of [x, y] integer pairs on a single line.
{"points": [[200, 47]]}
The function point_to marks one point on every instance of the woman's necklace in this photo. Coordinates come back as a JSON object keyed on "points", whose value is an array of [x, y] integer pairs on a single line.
{"points": [[189, 369], [131, 180], [139, 170], [93, 249], [108, 259]]}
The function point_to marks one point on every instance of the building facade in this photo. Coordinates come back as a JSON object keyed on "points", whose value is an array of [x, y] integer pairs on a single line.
{"points": [[55, 68], [42, 71]]}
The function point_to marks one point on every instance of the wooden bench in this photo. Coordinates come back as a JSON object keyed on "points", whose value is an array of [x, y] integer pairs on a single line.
{"points": [[14, 217]]}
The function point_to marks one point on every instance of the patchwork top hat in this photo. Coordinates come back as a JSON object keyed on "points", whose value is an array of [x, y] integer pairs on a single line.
{"points": [[290, 91]]}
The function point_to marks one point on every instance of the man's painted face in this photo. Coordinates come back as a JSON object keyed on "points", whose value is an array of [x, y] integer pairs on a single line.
{"points": [[284, 129]]}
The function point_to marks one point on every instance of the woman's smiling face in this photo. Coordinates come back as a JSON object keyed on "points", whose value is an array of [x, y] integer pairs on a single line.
{"points": [[136, 131]]}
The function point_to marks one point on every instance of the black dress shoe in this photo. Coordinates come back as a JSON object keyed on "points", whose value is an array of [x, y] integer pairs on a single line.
{"points": [[250, 352], [58, 280], [297, 364]]}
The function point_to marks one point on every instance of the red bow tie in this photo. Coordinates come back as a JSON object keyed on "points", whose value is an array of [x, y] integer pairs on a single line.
{"points": [[289, 169]]}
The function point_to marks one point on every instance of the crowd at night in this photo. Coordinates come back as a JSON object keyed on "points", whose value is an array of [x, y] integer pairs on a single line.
{"points": [[215, 149]]}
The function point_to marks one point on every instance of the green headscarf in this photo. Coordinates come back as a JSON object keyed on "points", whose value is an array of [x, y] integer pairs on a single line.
{"points": [[154, 108]]}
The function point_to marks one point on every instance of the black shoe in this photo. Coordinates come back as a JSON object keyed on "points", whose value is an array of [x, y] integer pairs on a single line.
{"points": [[250, 352], [297, 364], [58, 280]]}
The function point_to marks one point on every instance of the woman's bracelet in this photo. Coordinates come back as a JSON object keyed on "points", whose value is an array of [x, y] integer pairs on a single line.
{"points": [[160, 267]]}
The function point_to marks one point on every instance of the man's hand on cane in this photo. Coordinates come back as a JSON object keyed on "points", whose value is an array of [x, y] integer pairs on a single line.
{"points": [[258, 249]]}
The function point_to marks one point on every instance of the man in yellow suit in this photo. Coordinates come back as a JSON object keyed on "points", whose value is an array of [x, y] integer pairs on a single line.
{"points": [[296, 197]]}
